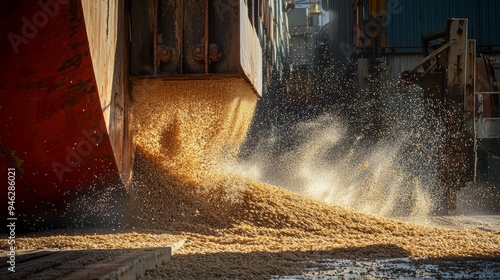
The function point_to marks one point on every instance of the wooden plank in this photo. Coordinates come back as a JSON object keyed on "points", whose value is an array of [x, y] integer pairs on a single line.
{"points": [[44, 263], [126, 266], [107, 31], [87, 264]]}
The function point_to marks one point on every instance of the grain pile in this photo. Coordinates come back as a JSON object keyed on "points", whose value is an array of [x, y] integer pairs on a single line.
{"points": [[187, 134], [125, 239], [190, 126]]}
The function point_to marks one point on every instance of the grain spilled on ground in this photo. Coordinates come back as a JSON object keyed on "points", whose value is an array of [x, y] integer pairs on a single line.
{"points": [[123, 240], [187, 133]]}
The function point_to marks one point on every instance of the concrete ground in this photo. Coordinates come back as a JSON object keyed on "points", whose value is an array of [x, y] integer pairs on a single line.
{"points": [[490, 223], [409, 268], [401, 268], [478, 208]]}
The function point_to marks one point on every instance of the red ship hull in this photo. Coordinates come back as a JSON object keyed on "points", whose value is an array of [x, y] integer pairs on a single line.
{"points": [[52, 131]]}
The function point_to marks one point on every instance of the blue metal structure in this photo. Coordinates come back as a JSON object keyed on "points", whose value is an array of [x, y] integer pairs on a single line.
{"points": [[411, 19]]}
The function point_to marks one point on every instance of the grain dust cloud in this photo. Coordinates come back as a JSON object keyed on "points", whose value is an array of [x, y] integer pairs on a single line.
{"points": [[373, 152], [189, 184], [238, 227]]}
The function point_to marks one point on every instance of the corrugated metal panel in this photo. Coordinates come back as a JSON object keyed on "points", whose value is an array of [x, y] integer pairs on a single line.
{"points": [[297, 17], [415, 18], [400, 63], [341, 16]]}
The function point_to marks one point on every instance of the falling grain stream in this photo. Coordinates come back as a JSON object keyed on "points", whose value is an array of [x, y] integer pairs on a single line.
{"points": [[187, 135]]}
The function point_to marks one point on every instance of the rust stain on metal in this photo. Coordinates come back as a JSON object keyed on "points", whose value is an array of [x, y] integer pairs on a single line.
{"points": [[215, 53], [206, 39], [75, 61], [199, 53], [35, 85], [82, 86], [79, 45], [155, 38], [16, 163], [164, 53], [14, 160], [56, 86], [73, 17], [75, 92]]}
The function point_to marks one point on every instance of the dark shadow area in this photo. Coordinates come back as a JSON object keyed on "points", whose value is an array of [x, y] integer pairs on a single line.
{"points": [[160, 199], [480, 198], [96, 207], [95, 197], [379, 261], [174, 205], [343, 262], [81, 264]]}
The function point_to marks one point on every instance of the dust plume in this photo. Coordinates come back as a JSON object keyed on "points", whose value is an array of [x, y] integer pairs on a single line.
{"points": [[373, 152], [187, 186]]}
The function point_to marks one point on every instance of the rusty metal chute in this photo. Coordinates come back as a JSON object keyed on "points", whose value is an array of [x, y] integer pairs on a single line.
{"points": [[71, 72], [174, 39]]}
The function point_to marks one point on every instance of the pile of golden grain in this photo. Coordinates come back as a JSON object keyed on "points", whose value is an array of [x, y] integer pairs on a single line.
{"points": [[237, 228]]}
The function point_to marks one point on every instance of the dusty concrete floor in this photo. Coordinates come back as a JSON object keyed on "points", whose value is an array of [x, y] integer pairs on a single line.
{"points": [[401, 268], [408, 268], [490, 223]]}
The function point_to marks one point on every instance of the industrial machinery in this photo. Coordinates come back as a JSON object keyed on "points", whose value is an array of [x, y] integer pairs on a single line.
{"points": [[64, 99], [66, 82], [70, 67], [369, 33], [462, 89], [383, 38]]}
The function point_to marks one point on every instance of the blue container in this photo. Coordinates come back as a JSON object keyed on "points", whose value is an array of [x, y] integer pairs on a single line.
{"points": [[413, 18]]}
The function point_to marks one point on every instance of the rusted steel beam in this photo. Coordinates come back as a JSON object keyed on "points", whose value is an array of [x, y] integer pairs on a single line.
{"points": [[141, 36], [181, 49], [434, 35], [469, 112], [454, 170], [192, 37], [201, 76], [155, 37], [457, 57], [431, 55], [206, 38]]}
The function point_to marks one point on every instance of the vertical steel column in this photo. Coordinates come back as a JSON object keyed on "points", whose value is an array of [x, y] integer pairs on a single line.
{"points": [[206, 35], [457, 57], [155, 37], [181, 49], [469, 110], [454, 168]]}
